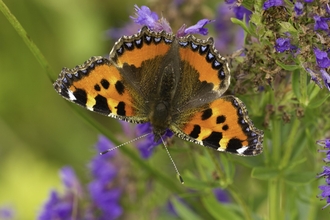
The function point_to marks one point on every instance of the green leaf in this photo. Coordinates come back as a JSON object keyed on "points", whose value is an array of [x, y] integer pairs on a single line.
{"points": [[296, 84], [300, 178], [303, 87], [264, 173], [288, 27], [192, 182], [219, 210], [228, 166], [317, 101], [183, 211], [242, 24], [313, 90], [287, 67], [248, 4]]}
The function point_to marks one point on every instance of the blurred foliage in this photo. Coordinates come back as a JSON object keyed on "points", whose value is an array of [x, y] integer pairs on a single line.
{"points": [[40, 132]]}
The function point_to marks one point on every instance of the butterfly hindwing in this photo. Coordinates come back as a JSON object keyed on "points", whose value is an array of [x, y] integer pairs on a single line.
{"points": [[225, 126]]}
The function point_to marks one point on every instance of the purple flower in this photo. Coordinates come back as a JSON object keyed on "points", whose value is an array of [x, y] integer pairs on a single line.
{"points": [[56, 208], [104, 197], [62, 207], [324, 143], [146, 146], [327, 8], [221, 195], [69, 178], [6, 213], [309, 1], [313, 77], [240, 11], [320, 23], [229, 37], [326, 78], [104, 144], [230, 1], [298, 8], [271, 3], [144, 16], [198, 28], [283, 44], [100, 166], [322, 58], [326, 173]]}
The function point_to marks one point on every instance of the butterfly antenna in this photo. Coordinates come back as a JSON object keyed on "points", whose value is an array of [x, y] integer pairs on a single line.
{"points": [[168, 153], [128, 142]]}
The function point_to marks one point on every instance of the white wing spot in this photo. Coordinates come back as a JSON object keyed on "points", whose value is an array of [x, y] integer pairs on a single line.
{"points": [[241, 150], [71, 96]]}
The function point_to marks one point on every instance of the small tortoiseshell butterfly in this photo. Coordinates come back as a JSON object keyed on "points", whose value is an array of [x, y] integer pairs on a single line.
{"points": [[172, 82]]}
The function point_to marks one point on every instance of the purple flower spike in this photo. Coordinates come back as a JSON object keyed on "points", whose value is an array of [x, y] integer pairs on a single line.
{"points": [[104, 144], [271, 3], [327, 8], [104, 197], [283, 44], [56, 208], [326, 172], [163, 25], [322, 58], [320, 23], [198, 28], [326, 80], [230, 1], [144, 16], [298, 8], [69, 178], [309, 1], [324, 143]]}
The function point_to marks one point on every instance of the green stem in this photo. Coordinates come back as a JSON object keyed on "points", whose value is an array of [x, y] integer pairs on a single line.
{"points": [[303, 87], [28, 41], [276, 140], [313, 208], [290, 143], [273, 199]]}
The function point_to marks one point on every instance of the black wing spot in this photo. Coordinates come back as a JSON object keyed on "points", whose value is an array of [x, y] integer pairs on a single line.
{"points": [[97, 87], [213, 140], [207, 114], [81, 97], [121, 109], [195, 132], [221, 119], [101, 105], [225, 127], [105, 83], [233, 145], [120, 87]]}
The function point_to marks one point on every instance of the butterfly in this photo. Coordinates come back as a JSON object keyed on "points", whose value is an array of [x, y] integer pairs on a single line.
{"points": [[172, 82]]}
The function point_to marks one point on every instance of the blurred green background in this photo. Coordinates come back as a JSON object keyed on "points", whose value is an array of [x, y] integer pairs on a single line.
{"points": [[39, 131]]}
